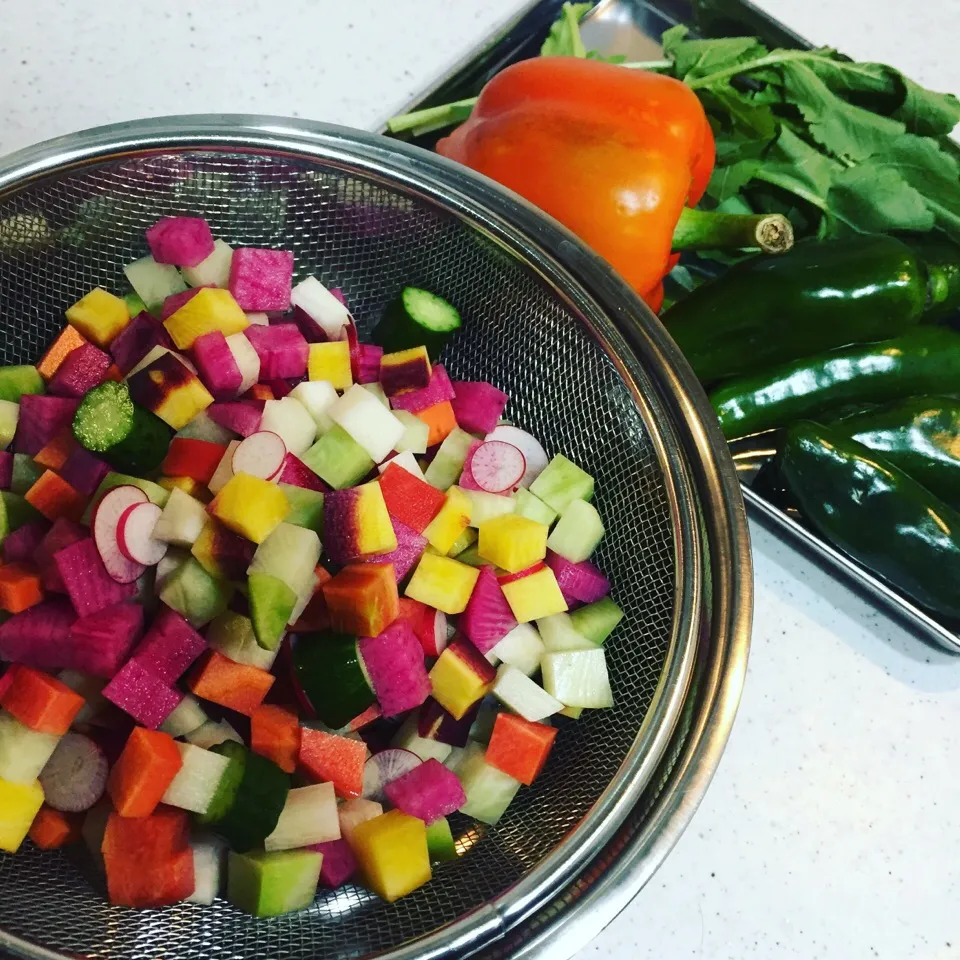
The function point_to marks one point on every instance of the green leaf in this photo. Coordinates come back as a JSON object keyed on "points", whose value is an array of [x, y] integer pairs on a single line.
{"points": [[846, 131], [564, 40], [925, 112], [728, 181], [799, 168], [613, 58], [698, 58], [874, 198]]}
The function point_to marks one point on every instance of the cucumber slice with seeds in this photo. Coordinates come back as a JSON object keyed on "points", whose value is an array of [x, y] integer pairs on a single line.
{"points": [[416, 318]]}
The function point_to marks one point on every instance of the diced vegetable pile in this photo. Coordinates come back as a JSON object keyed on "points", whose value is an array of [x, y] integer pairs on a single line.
{"points": [[332, 501]]}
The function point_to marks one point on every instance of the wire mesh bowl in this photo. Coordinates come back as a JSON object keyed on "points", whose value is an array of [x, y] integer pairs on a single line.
{"points": [[588, 371]]}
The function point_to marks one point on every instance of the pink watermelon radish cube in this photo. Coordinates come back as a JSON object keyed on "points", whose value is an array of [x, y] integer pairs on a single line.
{"points": [[281, 348], [82, 370], [410, 547], [136, 340], [143, 696], [239, 416], [579, 582], [84, 471], [40, 636], [394, 663], [176, 300], [42, 417], [339, 863], [216, 365], [170, 646], [428, 792], [180, 241], [487, 618], [478, 406], [261, 280], [61, 534], [311, 330], [102, 641], [438, 390], [368, 363], [87, 582], [298, 474], [21, 545], [6, 469]]}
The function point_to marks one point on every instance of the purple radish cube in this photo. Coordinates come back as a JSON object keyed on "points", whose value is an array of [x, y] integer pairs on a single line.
{"points": [[368, 365], [478, 406], [438, 390], [136, 340], [281, 348], [298, 474], [181, 241], [40, 636], [84, 471], [435, 723], [170, 646], [239, 416], [579, 582], [102, 641], [339, 863], [261, 280], [176, 300], [428, 792], [487, 618], [6, 469], [394, 663], [42, 417], [311, 330], [87, 582], [410, 547], [21, 545], [83, 369], [143, 696], [61, 534], [280, 388], [217, 365]]}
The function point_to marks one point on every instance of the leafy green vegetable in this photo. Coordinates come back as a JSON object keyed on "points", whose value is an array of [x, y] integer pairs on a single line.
{"points": [[564, 38]]}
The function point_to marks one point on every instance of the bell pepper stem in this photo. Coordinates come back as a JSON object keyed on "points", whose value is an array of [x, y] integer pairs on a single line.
{"points": [[709, 230]]}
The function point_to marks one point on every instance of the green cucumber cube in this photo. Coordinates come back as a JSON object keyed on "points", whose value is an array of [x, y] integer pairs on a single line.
{"points": [[9, 416], [447, 465], [190, 590], [577, 533], [533, 508], [271, 603], [561, 483], [153, 282], [440, 843], [306, 506], [596, 621], [271, 884], [489, 790], [14, 513], [25, 473], [16, 381], [232, 634], [338, 459]]}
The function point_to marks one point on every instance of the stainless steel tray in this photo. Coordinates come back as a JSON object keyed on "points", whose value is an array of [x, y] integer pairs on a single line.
{"points": [[633, 28]]}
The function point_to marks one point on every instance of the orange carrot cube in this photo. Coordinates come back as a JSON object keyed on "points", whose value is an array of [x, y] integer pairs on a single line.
{"points": [[441, 420], [519, 747], [275, 734], [56, 453], [20, 588], [41, 702], [362, 599], [236, 686], [328, 757], [52, 496], [67, 341], [147, 766], [52, 829]]}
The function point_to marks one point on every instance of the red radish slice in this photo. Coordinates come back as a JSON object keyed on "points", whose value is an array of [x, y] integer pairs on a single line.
{"points": [[75, 776], [261, 455], [528, 445], [433, 632], [106, 520], [135, 534], [383, 767], [497, 466]]}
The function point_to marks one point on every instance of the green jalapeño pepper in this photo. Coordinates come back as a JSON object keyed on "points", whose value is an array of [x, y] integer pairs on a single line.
{"points": [[820, 295], [875, 513], [923, 360], [920, 435]]}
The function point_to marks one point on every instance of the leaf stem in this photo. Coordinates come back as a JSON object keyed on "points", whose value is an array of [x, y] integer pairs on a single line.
{"points": [[573, 27], [709, 230], [648, 65], [770, 60], [446, 114]]}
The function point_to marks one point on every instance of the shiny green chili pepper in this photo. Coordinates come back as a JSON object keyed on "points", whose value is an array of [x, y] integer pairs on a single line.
{"points": [[875, 513]]}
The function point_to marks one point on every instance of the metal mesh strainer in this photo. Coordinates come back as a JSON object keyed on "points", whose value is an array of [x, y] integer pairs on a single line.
{"points": [[367, 216]]}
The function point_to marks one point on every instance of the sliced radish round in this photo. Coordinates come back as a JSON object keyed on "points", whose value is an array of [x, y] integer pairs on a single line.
{"points": [[106, 519], [528, 445], [436, 633], [261, 455], [75, 777], [135, 534], [383, 767], [497, 466]]}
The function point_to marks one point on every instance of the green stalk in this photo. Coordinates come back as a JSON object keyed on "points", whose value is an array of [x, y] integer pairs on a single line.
{"points": [[708, 230], [770, 60], [648, 65], [434, 117]]}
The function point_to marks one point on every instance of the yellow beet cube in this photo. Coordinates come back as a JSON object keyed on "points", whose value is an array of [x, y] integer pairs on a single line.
{"points": [[442, 583], [460, 677], [375, 533], [170, 389], [252, 507], [187, 484], [513, 542], [448, 525], [99, 316], [207, 311], [534, 596], [19, 804], [331, 362], [392, 853]]}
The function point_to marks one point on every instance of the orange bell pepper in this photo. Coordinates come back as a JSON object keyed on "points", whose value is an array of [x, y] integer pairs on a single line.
{"points": [[613, 154]]}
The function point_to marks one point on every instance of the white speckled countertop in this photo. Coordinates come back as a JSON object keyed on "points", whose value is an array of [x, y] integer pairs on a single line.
{"points": [[830, 830]]}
